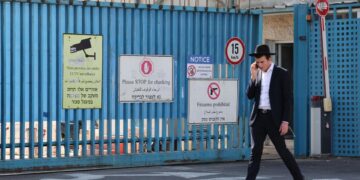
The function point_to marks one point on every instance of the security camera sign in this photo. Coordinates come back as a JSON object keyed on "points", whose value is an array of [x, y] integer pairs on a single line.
{"points": [[212, 101], [82, 71]]}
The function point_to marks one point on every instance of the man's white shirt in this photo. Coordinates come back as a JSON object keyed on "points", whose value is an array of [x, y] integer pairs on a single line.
{"points": [[265, 86]]}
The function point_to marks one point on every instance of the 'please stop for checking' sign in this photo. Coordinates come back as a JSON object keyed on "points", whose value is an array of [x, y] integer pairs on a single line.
{"points": [[145, 78]]}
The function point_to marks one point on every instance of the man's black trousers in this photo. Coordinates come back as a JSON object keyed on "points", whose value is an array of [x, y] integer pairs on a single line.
{"points": [[264, 125]]}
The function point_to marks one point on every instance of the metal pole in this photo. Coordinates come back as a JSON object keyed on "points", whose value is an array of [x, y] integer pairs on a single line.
{"points": [[226, 71], [219, 75], [233, 71], [327, 99]]}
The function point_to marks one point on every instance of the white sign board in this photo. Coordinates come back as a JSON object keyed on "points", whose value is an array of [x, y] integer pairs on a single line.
{"points": [[145, 78], [199, 67], [212, 101]]}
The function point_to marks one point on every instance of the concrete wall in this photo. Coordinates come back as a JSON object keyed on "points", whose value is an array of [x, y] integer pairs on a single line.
{"points": [[278, 27]]}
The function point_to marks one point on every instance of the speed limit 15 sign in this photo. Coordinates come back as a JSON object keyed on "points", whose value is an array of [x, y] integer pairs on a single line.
{"points": [[235, 50]]}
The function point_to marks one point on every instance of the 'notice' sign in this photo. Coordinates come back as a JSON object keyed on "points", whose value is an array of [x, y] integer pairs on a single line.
{"points": [[200, 67]]}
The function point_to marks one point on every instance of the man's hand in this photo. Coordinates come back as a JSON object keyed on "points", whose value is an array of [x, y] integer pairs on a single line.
{"points": [[253, 70], [284, 127]]}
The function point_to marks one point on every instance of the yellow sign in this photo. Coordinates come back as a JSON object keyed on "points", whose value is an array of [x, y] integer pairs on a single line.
{"points": [[82, 71]]}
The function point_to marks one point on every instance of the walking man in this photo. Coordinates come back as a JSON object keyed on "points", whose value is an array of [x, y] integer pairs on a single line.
{"points": [[270, 87]]}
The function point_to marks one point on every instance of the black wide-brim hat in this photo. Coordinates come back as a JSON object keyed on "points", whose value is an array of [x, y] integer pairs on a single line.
{"points": [[262, 50]]}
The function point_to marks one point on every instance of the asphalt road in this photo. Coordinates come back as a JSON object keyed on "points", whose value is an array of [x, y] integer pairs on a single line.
{"points": [[313, 169]]}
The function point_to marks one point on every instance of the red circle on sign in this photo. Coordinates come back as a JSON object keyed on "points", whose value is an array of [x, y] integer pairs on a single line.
{"points": [[191, 70], [322, 7], [146, 67], [235, 55], [213, 90]]}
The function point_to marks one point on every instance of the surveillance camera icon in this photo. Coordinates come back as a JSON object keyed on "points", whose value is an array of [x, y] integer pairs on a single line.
{"points": [[84, 44]]}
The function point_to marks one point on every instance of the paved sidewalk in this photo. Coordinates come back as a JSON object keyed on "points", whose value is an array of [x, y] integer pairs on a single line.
{"points": [[313, 169]]}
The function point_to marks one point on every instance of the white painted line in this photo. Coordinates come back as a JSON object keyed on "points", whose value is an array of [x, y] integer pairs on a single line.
{"points": [[83, 176], [242, 178]]}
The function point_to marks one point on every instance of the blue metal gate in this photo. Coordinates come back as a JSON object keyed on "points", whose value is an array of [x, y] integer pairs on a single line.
{"points": [[343, 51], [36, 132]]}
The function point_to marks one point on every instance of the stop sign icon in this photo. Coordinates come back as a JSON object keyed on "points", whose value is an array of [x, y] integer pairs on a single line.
{"points": [[322, 7]]}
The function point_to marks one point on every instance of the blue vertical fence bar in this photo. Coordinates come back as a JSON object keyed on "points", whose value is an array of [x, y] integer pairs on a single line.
{"points": [[231, 131], [128, 50], [112, 78], [42, 37], [79, 29], [301, 93], [86, 113], [225, 35], [2, 61], [120, 107], [15, 61], [217, 65], [189, 50], [175, 120], [117, 107], [77, 26], [183, 81], [136, 41], [51, 79], [7, 77], [143, 145], [104, 27], [59, 111], [242, 83], [31, 73], [69, 118], [159, 49], [94, 29], [167, 108], [25, 65], [210, 45]]}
